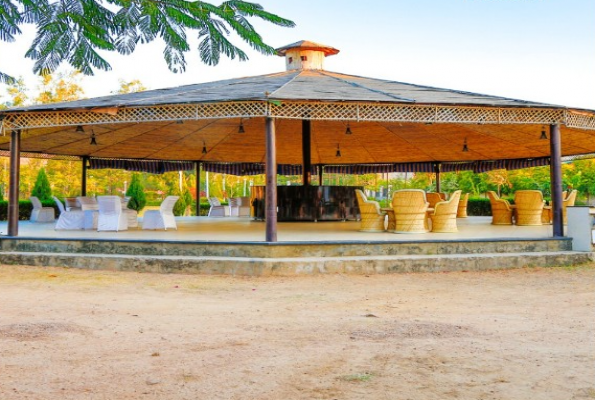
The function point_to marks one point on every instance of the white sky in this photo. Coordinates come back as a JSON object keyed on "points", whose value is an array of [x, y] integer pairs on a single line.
{"points": [[538, 50]]}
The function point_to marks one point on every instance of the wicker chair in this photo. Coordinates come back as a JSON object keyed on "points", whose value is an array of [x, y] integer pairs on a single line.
{"points": [[501, 210], [567, 200], [444, 216], [434, 197], [410, 207], [462, 208], [528, 207], [372, 217]]}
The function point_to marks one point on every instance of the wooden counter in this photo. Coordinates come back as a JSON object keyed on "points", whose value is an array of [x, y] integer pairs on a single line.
{"points": [[309, 203]]}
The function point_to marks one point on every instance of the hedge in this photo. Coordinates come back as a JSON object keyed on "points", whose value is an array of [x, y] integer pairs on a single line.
{"points": [[475, 207]]}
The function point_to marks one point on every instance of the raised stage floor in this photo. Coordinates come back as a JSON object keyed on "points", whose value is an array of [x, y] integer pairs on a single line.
{"points": [[236, 246], [242, 229]]}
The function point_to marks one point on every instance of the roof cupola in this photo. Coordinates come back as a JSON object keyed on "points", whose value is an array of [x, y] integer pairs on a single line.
{"points": [[305, 55]]}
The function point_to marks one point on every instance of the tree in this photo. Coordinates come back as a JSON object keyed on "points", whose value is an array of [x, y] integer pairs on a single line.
{"points": [[73, 31], [130, 87], [136, 192], [42, 189]]}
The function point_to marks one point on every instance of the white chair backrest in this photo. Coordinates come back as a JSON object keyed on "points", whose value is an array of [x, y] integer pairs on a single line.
{"points": [[109, 205], [88, 203], [214, 201], [35, 201], [169, 203], [59, 203]]}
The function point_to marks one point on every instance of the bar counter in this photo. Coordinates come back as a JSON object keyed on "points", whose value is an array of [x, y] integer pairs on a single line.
{"points": [[309, 203]]}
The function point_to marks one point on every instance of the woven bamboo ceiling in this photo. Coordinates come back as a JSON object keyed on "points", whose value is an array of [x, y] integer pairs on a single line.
{"points": [[391, 122]]}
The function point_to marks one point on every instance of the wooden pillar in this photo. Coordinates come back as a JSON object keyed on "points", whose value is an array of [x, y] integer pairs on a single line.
{"points": [[556, 180], [197, 169], [84, 176], [271, 182], [306, 152], [437, 172], [320, 172], [13, 186]]}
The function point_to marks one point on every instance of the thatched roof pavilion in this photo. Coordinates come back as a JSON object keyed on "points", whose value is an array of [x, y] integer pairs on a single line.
{"points": [[371, 121]]}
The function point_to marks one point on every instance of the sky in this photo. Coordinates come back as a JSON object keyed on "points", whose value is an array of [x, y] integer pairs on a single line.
{"points": [[537, 50]]}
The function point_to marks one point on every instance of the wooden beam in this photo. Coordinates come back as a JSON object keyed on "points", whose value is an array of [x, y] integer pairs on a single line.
{"points": [[306, 151], [84, 176], [197, 168], [13, 187], [556, 180], [271, 182]]}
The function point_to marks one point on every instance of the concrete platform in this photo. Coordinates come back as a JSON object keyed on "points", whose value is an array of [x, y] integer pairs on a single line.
{"points": [[236, 246]]}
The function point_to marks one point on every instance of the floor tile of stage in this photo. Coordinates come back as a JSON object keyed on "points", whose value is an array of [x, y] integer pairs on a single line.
{"points": [[233, 229]]}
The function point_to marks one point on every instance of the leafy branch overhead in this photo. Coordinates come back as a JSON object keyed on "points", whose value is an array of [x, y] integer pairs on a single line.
{"points": [[73, 31]]}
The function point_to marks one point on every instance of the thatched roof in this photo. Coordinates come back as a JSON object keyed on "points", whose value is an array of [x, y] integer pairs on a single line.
{"points": [[391, 122], [311, 85]]}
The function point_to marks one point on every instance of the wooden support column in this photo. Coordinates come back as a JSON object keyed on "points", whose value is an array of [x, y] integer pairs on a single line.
{"points": [[320, 172], [556, 180], [306, 151], [13, 186], [437, 172], [84, 176], [197, 169], [271, 182]]}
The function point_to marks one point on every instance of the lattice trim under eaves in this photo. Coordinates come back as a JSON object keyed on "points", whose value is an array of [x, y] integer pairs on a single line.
{"points": [[43, 156], [342, 111]]}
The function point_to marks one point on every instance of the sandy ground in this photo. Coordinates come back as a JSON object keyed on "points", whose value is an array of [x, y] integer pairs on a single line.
{"points": [[519, 334]]}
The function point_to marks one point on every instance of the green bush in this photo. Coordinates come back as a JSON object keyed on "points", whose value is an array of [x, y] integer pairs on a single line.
{"points": [[136, 192], [478, 206], [25, 208], [42, 189]]}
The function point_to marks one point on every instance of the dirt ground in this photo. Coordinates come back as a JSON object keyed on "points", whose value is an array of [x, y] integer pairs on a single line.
{"points": [[517, 334]]}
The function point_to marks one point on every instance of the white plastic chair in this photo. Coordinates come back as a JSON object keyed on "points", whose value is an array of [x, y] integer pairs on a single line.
{"points": [[131, 215], [111, 217], [69, 219], [164, 217], [216, 210], [41, 213], [91, 209], [239, 207]]}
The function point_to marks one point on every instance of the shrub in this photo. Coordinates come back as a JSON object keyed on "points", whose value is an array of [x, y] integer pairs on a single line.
{"points": [[42, 189], [478, 206], [136, 193]]}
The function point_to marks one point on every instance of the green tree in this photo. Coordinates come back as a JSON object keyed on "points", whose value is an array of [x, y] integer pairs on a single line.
{"points": [[73, 31], [42, 189], [137, 194]]}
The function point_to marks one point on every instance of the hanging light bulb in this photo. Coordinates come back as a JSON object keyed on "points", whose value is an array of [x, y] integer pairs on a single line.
{"points": [[241, 127], [543, 134], [79, 129], [465, 147], [204, 147], [338, 153], [93, 141], [348, 130]]}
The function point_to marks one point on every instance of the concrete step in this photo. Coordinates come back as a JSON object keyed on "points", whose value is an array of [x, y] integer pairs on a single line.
{"points": [[287, 266], [285, 249]]}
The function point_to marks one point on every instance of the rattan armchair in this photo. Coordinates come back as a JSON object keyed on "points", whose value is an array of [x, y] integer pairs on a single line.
{"points": [[462, 208], [410, 207], [435, 197], [528, 207], [567, 200], [501, 209], [444, 216], [372, 218]]}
